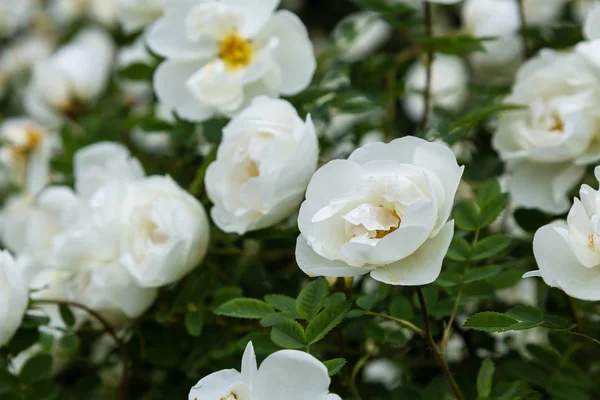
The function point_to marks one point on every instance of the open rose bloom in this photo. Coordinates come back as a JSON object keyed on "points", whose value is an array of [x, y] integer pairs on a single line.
{"points": [[383, 211], [286, 374], [567, 254], [221, 54]]}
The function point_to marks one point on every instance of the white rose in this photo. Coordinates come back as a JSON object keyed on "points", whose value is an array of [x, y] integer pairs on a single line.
{"points": [[500, 19], [263, 166], [368, 32], [221, 54], [29, 224], [449, 78], [543, 12], [14, 14], [134, 15], [568, 256], [592, 23], [556, 136], [14, 297], [285, 374], [165, 231], [383, 211], [383, 371], [60, 84], [26, 152]]}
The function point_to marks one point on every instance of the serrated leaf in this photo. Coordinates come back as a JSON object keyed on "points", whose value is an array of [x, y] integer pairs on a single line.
{"points": [[448, 279], [311, 299], [490, 246], [484, 379], [466, 216], [487, 192], [557, 323], [289, 335], [335, 365], [66, 315], [355, 314], [282, 303], [490, 322], [526, 313], [275, 318], [477, 274], [327, 319], [459, 250], [367, 301], [334, 298], [36, 369], [492, 210], [244, 308]]}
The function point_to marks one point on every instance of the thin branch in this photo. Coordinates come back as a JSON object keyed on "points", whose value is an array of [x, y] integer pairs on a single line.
{"points": [[355, 371], [109, 329], [439, 355], [402, 322], [428, 67]]}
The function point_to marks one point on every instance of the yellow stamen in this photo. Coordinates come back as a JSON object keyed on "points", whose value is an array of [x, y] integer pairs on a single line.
{"points": [[591, 243], [235, 51]]}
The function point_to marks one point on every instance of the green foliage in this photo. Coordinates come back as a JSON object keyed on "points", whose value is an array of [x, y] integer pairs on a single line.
{"points": [[244, 308]]}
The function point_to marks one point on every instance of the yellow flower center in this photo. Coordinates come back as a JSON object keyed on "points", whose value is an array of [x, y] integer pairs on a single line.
{"points": [[230, 396], [32, 142], [380, 233], [591, 243], [235, 51]]}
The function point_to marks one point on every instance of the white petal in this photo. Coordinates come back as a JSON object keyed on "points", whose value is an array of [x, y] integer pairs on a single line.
{"points": [[552, 183], [295, 53], [334, 179], [249, 367], [256, 13], [313, 264], [592, 23], [291, 375], [580, 229], [168, 38], [214, 386], [401, 150], [170, 81], [423, 266], [559, 266]]}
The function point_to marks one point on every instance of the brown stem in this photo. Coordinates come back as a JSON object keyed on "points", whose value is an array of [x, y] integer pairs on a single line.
{"points": [[110, 330], [439, 355], [428, 67]]}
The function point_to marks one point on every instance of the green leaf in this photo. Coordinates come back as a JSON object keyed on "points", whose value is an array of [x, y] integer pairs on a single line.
{"points": [[334, 298], [526, 313], [244, 308], [484, 379], [327, 319], [282, 303], [37, 368], [224, 294], [490, 246], [488, 191], [466, 216], [335, 365], [490, 322], [69, 344], [289, 335], [311, 299], [44, 390], [194, 321], [482, 113], [449, 279], [400, 307], [460, 249], [492, 210], [137, 72], [481, 273], [367, 301], [275, 318], [355, 314], [67, 315], [558, 323]]}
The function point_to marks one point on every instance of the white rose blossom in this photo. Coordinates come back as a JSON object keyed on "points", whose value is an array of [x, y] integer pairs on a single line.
{"points": [[369, 32], [14, 297], [556, 135], [384, 211], [26, 151], [285, 374], [567, 254], [134, 15], [264, 163], [449, 78], [60, 84], [221, 54]]}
